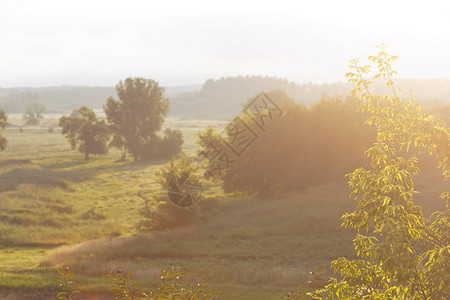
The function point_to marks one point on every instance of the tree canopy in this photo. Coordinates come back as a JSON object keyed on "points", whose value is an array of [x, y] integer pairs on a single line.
{"points": [[136, 118], [85, 132]]}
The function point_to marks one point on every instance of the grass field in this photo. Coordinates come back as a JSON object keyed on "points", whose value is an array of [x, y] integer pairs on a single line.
{"points": [[57, 210]]}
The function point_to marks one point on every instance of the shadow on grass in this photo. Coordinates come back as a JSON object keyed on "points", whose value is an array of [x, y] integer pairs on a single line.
{"points": [[22, 174], [43, 178], [86, 173], [65, 164], [12, 162]]}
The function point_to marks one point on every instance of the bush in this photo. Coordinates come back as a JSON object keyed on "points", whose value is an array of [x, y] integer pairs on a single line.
{"points": [[165, 215], [302, 148], [172, 206], [163, 148]]}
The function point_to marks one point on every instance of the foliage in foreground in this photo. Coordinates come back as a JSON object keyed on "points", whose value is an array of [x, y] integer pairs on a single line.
{"points": [[172, 287], [65, 283], [402, 254]]}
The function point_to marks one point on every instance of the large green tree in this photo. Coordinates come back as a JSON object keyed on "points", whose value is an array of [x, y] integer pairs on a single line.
{"points": [[3, 123], [84, 131], [402, 254], [137, 116]]}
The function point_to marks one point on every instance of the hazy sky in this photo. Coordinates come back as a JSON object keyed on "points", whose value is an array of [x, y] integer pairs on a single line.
{"points": [[96, 42]]}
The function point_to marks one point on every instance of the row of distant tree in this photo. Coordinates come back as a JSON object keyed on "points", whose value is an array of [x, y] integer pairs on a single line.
{"points": [[215, 98], [222, 97], [55, 99]]}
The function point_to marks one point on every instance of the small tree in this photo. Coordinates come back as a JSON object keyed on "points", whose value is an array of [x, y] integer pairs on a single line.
{"points": [[33, 114], [207, 138], [174, 205], [402, 253], [85, 132], [3, 123], [137, 115], [117, 124]]}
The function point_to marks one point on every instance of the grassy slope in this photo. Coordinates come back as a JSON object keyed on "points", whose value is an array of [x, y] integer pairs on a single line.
{"points": [[270, 244], [248, 248]]}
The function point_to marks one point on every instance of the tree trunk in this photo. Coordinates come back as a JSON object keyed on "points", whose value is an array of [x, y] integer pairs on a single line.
{"points": [[124, 152], [86, 155]]}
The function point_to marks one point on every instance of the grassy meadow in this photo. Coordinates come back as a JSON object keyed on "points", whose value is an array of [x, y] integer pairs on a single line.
{"points": [[57, 210]]}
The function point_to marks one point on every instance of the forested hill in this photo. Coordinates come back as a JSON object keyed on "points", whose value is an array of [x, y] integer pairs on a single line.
{"points": [[215, 98], [224, 96]]}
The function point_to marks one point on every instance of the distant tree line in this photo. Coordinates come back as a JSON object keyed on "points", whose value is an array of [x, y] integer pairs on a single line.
{"points": [[56, 99], [215, 98], [222, 97]]}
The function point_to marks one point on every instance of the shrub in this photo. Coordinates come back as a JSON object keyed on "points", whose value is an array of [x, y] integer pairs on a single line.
{"points": [[302, 148], [173, 205], [163, 148]]}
